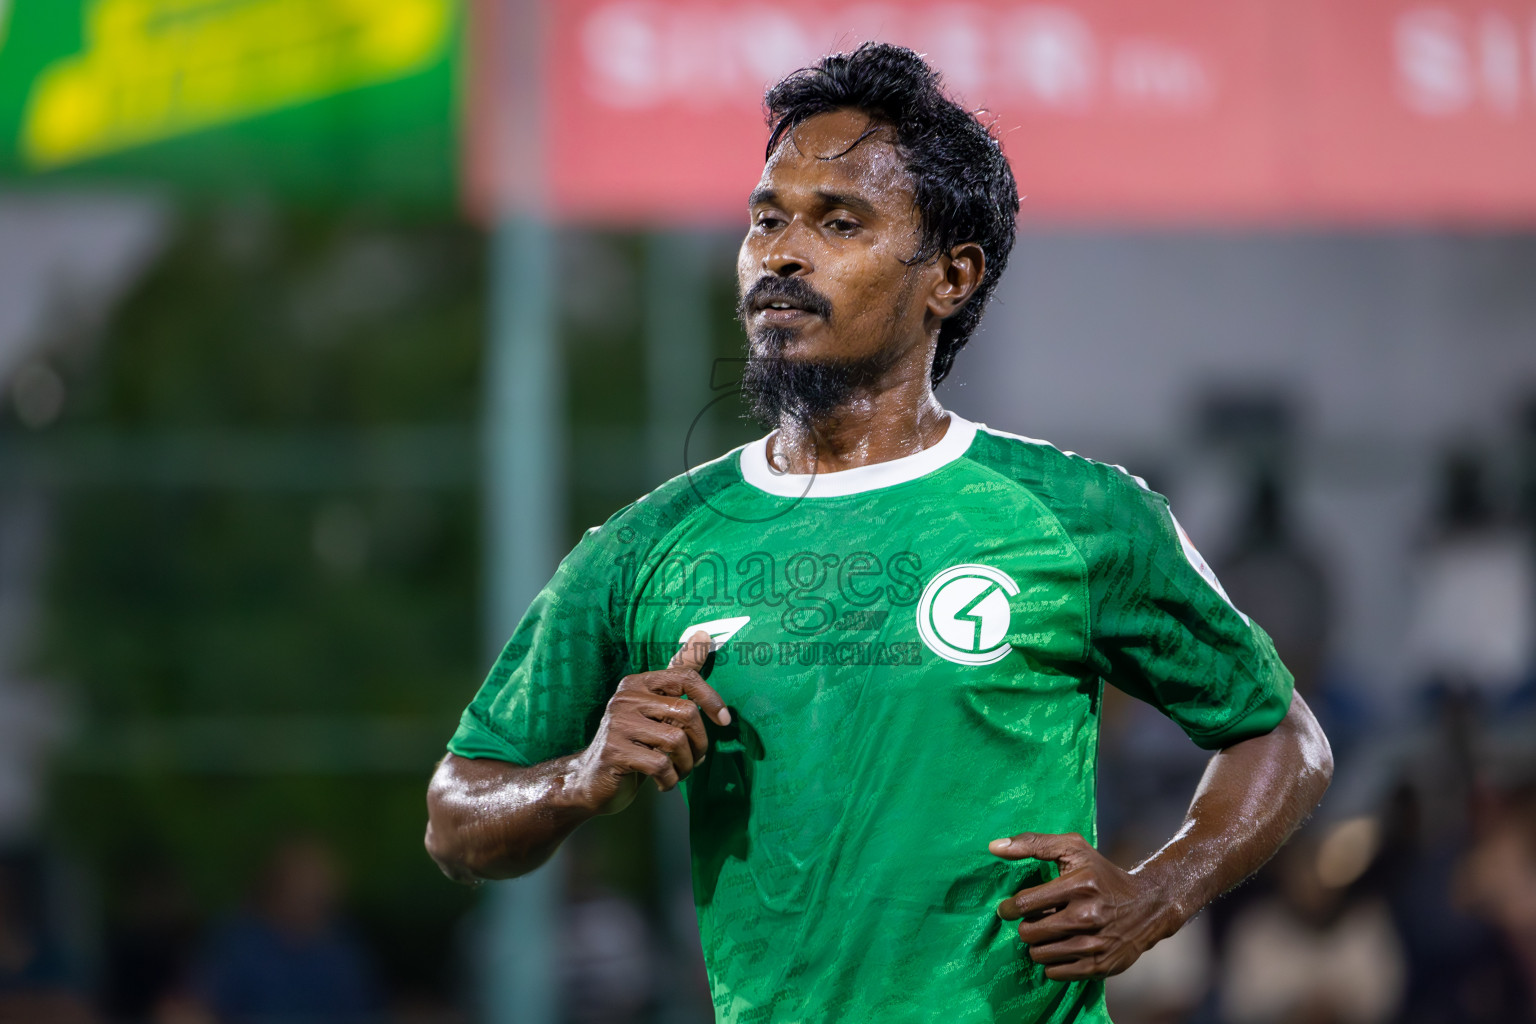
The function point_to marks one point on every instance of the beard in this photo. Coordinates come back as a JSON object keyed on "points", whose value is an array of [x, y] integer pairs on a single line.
{"points": [[803, 390], [806, 391]]}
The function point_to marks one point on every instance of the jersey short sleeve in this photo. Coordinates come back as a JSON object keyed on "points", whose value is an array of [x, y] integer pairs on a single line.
{"points": [[545, 695], [1163, 630]]}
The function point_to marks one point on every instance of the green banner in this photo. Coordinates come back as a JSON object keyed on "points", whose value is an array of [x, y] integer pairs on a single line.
{"points": [[314, 99]]}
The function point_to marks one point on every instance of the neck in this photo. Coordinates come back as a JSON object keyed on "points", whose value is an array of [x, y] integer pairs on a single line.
{"points": [[894, 419]]}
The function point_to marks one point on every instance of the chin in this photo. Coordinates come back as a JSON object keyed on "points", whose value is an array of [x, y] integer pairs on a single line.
{"points": [[776, 343], [797, 345]]}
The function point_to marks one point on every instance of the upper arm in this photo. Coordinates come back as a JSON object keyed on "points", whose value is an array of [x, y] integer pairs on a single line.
{"points": [[545, 694], [1164, 631], [1304, 739]]}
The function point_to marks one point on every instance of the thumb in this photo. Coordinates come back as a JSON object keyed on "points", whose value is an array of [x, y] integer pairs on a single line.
{"points": [[693, 654], [1070, 850]]}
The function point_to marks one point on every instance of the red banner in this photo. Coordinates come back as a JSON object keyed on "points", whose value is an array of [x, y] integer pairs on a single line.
{"points": [[1111, 110]]}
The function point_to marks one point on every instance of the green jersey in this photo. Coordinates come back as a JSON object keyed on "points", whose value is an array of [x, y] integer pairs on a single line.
{"points": [[913, 655]]}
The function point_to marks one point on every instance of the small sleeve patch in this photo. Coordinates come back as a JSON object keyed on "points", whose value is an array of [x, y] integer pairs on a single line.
{"points": [[1203, 567]]}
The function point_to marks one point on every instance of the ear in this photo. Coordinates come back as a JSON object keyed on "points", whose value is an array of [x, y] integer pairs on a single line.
{"points": [[960, 273]]}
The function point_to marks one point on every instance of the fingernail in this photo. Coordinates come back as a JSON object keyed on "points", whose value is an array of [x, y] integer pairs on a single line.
{"points": [[725, 716], [1000, 844]]}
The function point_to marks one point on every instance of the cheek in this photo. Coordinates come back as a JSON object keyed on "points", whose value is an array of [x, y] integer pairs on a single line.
{"points": [[746, 264], [884, 294]]}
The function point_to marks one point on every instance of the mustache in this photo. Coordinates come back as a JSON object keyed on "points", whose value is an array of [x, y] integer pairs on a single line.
{"points": [[792, 290]]}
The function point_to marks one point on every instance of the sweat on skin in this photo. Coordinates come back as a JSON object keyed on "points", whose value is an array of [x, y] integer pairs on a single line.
{"points": [[863, 832]]}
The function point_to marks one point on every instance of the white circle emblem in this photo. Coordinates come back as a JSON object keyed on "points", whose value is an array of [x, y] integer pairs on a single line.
{"points": [[963, 614]]}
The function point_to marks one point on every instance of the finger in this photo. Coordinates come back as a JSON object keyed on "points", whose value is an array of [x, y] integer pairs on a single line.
{"points": [[625, 757], [670, 682], [663, 736], [693, 725], [705, 696], [1078, 947], [694, 652], [645, 760], [668, 739], [691, 657], [1070, 850], [1084, 969], [679, 712], [1039, 899], [1075, 920]]}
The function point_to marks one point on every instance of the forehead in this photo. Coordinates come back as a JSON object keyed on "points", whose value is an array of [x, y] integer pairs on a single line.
{"points": [[842, 151]]}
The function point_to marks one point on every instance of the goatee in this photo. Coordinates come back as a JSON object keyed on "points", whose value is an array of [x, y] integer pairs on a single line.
{"points": [[802, 390]]}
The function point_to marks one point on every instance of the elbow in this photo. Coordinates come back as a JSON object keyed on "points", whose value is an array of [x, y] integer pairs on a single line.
{"points": [[446, 856], [443, 845], [1325, 759], [462, 848], [1315, 750], [453, 862], [445, 839], [462, 864], [1320, 767]]}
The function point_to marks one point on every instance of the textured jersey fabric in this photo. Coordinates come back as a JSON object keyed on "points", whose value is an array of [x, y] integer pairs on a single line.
{"points": [[914, 667]]}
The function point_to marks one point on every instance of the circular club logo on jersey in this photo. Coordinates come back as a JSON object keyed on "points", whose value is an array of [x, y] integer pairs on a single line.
{"points": [[963, 614]]}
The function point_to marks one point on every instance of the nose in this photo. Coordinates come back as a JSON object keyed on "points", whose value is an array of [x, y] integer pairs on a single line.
{"points": [[786, 256]]}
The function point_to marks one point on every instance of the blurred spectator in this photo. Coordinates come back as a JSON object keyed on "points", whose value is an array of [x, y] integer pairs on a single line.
{"points": [[1279, 582], [1318, 950], [1497, 882], [1457, 968], [608, 961], [37, 985], [1473, 625], [1274, 576], [149, 951], [289, 959], [1170, 981]]}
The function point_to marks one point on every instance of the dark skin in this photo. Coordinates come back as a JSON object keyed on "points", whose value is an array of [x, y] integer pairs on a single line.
{"points": [[839, 214], [489, 819], [835, 208]]}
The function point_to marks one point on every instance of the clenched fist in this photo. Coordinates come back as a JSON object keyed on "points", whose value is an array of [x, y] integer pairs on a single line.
{"points": [[651, 727]]}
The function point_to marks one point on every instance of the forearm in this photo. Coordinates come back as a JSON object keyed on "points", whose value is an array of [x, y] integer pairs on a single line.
{"points": [[1252, 797], [490, 819]]}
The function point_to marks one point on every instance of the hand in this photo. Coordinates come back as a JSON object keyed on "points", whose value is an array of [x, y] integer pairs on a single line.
{"points": [[650, 728], [1092, 921]]}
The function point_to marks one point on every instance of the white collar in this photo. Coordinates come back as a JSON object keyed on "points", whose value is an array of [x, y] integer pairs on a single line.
{"points": [[758, 472]]}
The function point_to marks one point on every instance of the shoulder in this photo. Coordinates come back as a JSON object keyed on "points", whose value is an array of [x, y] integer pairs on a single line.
{"points": [[643, 523], [1085, 495]]}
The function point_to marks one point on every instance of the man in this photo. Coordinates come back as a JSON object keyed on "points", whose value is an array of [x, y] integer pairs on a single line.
{"points": [[912, 618]]}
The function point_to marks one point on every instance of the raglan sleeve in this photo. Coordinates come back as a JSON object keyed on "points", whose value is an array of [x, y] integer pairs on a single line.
{"points": [[1164, 630], [546, 692]]}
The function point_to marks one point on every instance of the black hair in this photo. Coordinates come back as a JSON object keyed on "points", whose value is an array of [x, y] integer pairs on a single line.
{"points": [[965, 187]]}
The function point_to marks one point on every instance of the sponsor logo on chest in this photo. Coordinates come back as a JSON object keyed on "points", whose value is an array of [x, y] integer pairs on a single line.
{"points": [[962, 615]]}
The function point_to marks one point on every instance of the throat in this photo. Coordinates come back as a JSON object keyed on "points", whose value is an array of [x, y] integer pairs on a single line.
{"points": [[859, 437]]}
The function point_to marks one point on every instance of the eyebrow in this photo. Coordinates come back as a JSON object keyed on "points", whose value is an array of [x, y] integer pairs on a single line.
{"points": [[829, 200], [847, 202]]}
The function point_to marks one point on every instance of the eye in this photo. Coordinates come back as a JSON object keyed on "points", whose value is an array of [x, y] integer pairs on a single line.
{"points": [[767, 221], [843, 225]]}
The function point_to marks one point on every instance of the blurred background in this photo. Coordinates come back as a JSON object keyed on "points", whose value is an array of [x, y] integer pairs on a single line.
{"points": [[326, 326]]}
